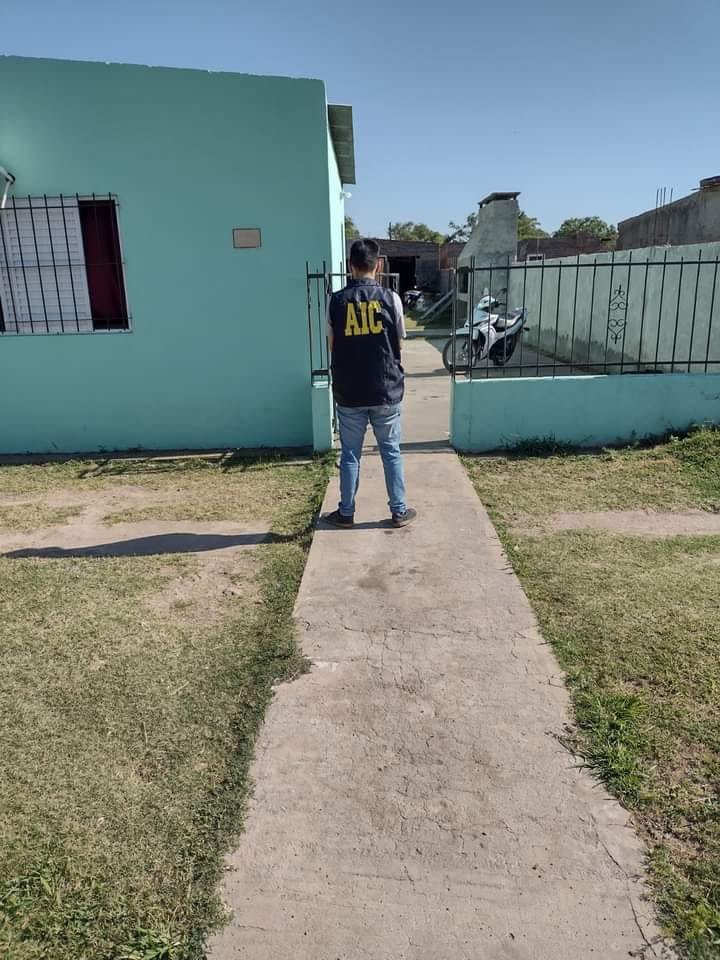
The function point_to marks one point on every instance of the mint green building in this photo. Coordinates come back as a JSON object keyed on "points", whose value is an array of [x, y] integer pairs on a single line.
{"points": [[153, 288]]}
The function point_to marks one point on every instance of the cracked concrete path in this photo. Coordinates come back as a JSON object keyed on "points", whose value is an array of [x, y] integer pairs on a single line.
{"points": [[413, 801]]}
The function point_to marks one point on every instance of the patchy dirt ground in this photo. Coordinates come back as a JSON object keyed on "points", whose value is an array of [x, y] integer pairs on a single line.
{"points": [[633, 523], [217, 563]]}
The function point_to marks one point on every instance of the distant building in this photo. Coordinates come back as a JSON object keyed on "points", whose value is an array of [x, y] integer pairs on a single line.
{"points": [[692, 219], [416, 262], [542, 248], [449, 253]]}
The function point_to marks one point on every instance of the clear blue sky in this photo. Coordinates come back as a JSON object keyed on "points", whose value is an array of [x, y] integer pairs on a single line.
{"points": [[586, 108]]}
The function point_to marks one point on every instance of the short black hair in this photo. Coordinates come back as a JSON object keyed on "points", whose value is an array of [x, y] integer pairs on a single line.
{"points": [[364, 255]]}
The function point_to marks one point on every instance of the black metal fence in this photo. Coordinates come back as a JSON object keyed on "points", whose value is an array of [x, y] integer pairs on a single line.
{"points": [[606, 314], [320, 286], [61, 266]]}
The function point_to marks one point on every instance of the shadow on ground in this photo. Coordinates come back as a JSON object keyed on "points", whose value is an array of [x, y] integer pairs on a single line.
{"points": [[159, 544]]}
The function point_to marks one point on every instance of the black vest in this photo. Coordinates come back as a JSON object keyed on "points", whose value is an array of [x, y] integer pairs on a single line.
{"points": [[366, 354]]}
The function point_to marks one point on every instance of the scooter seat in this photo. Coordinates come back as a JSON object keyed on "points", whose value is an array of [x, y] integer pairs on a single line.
{"points": [[502, 323]]}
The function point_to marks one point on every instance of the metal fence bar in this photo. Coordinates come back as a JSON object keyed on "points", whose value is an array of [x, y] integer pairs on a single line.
{"points": [[308, 284], [694, 313], [39, 268], [677, 320], [642, 317], [97, 239], [592, 310], [660, 309], [537, 356], [322, 317], [610, 299], [522, 338], [471, 318], [489, 314], [453, 330], [507, 312], [572, 334], [52, 254], [24, 273], [117, 265], [557, 318], [71, 266], [710, 315], [627, 308], [3, 326]]}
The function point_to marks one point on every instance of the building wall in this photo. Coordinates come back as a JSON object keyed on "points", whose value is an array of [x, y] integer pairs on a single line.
{"points": [[493, 241], [693, 219], [218, 353], [583, 411], [561, 246], [427, 257], [662, 314]]}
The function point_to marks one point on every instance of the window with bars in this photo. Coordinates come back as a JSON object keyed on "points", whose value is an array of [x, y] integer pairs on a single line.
{"points": [[61, 266]]}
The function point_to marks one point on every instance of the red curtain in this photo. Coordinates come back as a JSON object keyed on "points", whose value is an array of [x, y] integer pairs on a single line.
{"points": [[103, 263]]}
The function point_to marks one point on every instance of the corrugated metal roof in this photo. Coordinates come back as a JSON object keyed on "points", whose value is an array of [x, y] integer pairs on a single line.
{"points": [[340, 119]]}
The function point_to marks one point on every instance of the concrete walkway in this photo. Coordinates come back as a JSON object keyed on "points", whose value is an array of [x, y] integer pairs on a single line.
{"points": [[412, 800]]}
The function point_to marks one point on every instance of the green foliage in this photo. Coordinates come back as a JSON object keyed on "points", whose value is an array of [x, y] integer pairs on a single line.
{"points": [[460, 233], [590, 226], [529, 227], [350, 229], [415, 231]]}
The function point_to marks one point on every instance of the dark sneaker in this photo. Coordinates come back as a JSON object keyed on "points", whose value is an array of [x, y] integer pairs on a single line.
{"points": [[336, 519], [403, 519]]}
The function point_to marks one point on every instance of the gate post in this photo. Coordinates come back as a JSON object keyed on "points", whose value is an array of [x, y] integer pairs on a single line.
{"points": [[322, 415]]}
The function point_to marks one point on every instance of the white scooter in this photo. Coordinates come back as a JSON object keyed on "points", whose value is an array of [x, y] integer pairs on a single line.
{"points": [[493, 336]]}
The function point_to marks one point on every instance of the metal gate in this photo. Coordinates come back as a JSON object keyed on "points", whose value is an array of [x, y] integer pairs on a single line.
{"points": [[606, 314]]}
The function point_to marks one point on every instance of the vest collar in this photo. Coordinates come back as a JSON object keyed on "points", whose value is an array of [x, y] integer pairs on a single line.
{"points": [[363, 282]]}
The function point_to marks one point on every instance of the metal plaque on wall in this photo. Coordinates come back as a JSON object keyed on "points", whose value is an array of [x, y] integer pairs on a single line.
{"points": [[246, 237]]}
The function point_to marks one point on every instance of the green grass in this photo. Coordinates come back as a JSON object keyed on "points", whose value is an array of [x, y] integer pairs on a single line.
{"points": [[635, 624], [187, 488], [127, 730], [25, 517]]}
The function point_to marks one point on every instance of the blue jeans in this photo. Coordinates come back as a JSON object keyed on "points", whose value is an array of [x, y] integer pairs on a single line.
{"points": [[353, 423]]}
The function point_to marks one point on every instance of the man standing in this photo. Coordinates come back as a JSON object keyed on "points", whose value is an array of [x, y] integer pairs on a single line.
{"points": [[365, 330]]}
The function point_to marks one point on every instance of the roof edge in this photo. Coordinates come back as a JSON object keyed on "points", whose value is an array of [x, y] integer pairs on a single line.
{"points": [[340, 122]]}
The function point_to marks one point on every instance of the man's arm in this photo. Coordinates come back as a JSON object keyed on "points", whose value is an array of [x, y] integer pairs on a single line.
{"points": [[400, 316]]}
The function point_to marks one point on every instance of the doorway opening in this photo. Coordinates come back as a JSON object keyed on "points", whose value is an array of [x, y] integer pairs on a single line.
{"points": [[405, 268]]}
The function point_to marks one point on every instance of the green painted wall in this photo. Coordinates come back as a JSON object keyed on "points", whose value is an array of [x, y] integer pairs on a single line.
{"points": [[218, 353], [584, 411]]}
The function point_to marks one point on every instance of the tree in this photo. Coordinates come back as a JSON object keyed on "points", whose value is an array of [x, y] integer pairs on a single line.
{"points": [[460, 232], [529, 227], [590, 226], [414, 231], [350, 229]]}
